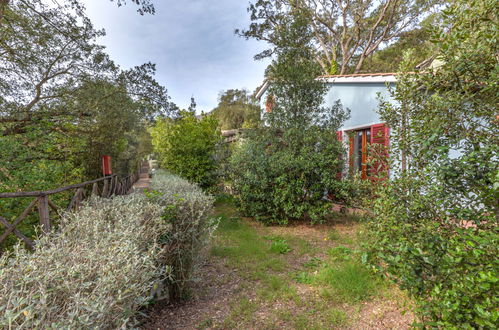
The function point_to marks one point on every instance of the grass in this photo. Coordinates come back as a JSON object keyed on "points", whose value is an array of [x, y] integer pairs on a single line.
{"points": [[291, 279]]}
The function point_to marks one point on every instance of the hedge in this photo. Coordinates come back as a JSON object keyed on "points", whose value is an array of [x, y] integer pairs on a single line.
{"points": [[108, 260]]}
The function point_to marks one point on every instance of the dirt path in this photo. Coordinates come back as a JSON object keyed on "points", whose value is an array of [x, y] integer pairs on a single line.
{"points": [[296, 277], [144, 179]]}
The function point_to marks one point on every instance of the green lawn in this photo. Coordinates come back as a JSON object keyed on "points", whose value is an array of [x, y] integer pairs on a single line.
{"points": [[301, 277]]}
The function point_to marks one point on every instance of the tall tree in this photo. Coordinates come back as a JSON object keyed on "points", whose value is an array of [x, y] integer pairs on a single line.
{"points": [[345, 32], [47, 53], [58, 87], [237, 109], [283, 170]]}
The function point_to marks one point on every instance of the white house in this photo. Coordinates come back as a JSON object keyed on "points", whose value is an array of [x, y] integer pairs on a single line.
{"points": [[359, 93]]}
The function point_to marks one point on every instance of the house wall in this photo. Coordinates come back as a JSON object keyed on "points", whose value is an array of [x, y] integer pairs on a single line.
{"points": [[361, 99]]}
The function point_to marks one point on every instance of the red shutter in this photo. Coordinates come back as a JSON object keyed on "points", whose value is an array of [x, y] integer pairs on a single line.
{"points": [[339, 135], [380, 134], [269, 104], [380, 141]]}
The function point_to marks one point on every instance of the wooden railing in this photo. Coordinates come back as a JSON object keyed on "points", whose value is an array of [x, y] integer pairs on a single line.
{"points": [[109, 186]]}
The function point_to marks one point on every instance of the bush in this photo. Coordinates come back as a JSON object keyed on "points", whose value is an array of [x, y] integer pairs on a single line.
{"points": [[187, 210], [186, 146], [95, 272], [450, 269], [108, 260], [287, 170], [434, 227], [278, 177]]}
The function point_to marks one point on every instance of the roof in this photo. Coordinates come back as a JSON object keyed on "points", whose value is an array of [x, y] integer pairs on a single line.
{"points": [[346, 78], [361, 78]]}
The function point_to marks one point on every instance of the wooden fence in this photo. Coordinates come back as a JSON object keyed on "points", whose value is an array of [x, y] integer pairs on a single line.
{"points": [[104, 187]]}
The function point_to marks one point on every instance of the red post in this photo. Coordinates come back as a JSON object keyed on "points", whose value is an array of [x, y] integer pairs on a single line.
{"points": [[106, 165]]}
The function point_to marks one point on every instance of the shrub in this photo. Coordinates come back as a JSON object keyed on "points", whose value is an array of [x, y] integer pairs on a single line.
{"points": [[449, 269], [434, 227], [277, 178], [108, 260], [186, 146], [187, 210], [287, 170], [95, 272]]}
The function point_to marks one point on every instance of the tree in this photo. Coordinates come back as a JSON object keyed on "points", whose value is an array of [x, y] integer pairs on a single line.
{"points": [[237, 109], [186, 146], [417, 41], [146, 6], [46, 54], [344, 32], [435, 226], [286, 170]]}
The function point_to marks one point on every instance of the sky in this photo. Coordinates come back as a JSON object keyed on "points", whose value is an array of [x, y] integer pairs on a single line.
{"points": [[192, 43]]}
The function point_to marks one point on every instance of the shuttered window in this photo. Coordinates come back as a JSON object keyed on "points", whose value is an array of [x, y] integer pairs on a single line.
{"points": [[380, 136]]}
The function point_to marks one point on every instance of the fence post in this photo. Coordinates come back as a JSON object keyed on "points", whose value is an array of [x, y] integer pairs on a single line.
{"points": [[105, 189], [43, 211], [95, 190]]}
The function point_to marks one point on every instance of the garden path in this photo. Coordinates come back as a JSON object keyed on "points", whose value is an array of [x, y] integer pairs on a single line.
{"points": [[144, 179], [292, 277]]}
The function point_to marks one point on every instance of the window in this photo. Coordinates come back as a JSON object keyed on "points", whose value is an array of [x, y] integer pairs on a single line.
{"points": [[359, 140], [359, 147]]}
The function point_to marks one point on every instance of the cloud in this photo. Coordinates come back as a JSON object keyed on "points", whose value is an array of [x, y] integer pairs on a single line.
{"points": [[192, 42]]}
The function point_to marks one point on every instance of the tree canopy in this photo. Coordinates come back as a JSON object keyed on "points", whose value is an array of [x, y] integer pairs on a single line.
{"points": [[237, 109], [62, 99], [345, 33]]}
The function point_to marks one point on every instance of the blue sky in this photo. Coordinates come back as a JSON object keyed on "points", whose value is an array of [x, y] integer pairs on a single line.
{"points": [[192, 43]]}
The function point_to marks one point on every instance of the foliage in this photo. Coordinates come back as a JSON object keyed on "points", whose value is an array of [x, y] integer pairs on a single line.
{"points": [[100, 268], [62, 96], [418, 41], [64, 103], [236, 109], [434, 229], [186, 145], [345, 32], [109, 259], [279, 246], [277, 179], [145, 6], [187, 210], [285, 171]]}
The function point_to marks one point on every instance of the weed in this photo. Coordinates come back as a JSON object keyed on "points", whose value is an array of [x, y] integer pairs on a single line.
{"points": [[208, 323], [280, 247], [334, 235], [314, 262], [340, 253], [303, 278], [336, 317], [350, 281]]}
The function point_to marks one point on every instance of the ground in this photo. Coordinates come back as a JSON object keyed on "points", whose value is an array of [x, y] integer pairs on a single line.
{"points": [[293, 277]]}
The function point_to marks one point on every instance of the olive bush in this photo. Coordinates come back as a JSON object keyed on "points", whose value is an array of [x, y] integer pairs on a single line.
{"points": [[108, 260], [95, 272], [187, 210]]}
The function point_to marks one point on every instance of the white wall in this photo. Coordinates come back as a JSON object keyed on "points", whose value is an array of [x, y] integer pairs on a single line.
{"points": [[361, 99]]}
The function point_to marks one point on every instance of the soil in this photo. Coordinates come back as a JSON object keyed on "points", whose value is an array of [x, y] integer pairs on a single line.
{"points": [[218, 287]]}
